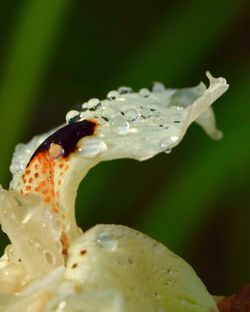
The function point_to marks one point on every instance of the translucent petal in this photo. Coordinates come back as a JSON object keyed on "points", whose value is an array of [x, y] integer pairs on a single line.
{"points": [[129, 125], [50, 265]]}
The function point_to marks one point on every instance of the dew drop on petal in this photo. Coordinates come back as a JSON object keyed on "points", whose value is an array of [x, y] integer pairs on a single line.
{"points": [[168, 151], [14, 168], [125, 90], [50, 258], [56, 151], [131, 114], [85, 106], [144, 92], [72, 116], [99, 112], [61, 306], [146, 113], [158, 87], [156, 116], [177, 117], [112, 95], [168, 141], [35, 243], [163, 123], [157, 295], [108, 113], [92, 103], [119, 125], [106, 241], [26, 217], [92, 147]]}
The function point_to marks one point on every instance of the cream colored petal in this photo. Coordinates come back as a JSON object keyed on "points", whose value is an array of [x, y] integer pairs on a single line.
{"points": [[130, 125], [32, 230], [147, 275], [110, 268]]}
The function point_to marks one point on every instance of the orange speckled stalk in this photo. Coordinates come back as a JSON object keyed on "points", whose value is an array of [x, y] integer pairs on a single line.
{"points": [[44, 174]]}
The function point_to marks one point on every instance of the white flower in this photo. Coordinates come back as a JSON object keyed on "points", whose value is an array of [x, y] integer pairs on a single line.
{"points": [[50, 265]]}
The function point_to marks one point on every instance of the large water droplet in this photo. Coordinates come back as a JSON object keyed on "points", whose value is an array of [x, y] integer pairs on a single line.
{"points": [[35, 243], [56, 151], [112, 95], [61, 306], [125, 90], [14, 167], [177, 117], [92, 147], [146, 113], [93, 104], [167, 142], [144, 92], [131, 114], [108, 113], [158, 87], [50, 258], [163, 123], [156, 116], [119, 125], [107, 241], [26, 217], [157, 295], [72, 116], [168, 151], [99, 112]]}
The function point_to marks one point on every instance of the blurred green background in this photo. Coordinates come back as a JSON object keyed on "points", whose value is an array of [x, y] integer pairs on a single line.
{"points": [[57, 53]]}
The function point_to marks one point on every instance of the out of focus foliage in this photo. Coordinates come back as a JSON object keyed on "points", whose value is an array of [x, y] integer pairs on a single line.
{"points": [[55, 54]]}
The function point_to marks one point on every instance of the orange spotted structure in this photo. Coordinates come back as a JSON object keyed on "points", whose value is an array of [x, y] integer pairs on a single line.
{"points": [[45, 170]]}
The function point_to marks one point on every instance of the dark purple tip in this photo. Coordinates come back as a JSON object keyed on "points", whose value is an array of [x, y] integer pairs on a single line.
{"points": [[68, 137]]}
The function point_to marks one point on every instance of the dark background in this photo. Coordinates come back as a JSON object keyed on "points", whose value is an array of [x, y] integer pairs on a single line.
{"points": [[54, 54]]}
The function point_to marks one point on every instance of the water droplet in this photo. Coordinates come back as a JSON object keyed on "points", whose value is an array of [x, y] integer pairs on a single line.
{"points": [[107, 241], [61, 306], [26, 217], [49, 257], [125, 90], [93, 104], [146, 113], [156, 116], [167, 142], [112, 95], [11, 253], [153, 108], [99, 112], [87, 114], [35, 243], [170, 272], [108, 113], [163, 123], [144, 92], [158, 87], [119, 125], [85, 106], [92, 147], [72, 116], [131, 114], [56, 151], [14, 168], [168, 151], [177, 117], [157, 295]]}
